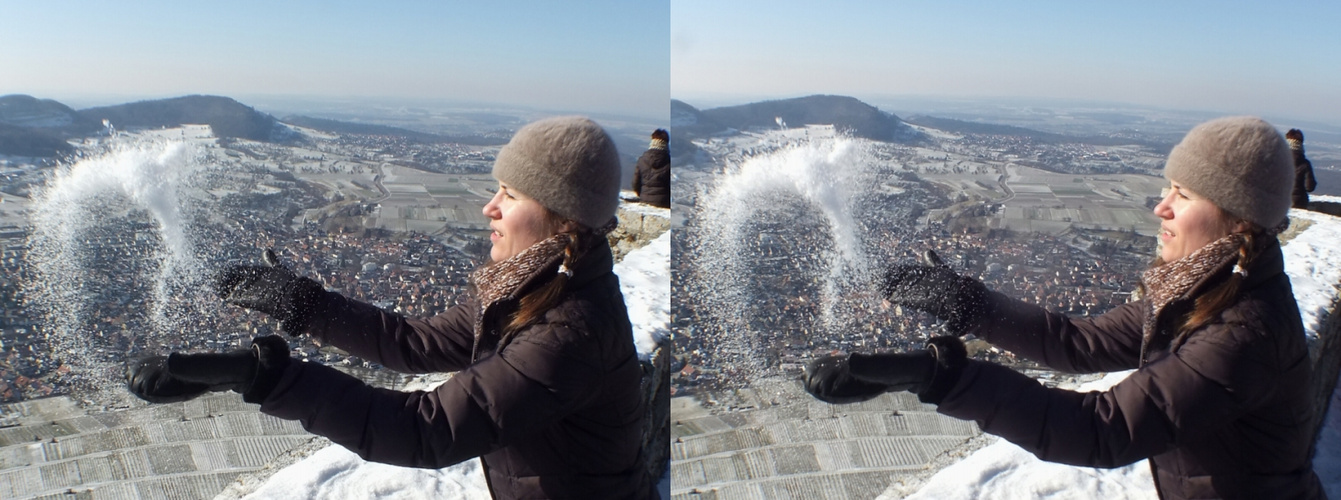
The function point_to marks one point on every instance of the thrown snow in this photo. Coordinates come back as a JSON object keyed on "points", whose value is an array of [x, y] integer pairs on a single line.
{"points": [[335, 473], [1005, 471]]}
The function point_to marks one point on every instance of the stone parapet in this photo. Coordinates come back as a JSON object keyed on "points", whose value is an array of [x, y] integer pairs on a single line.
{"points": [[639, 224]]}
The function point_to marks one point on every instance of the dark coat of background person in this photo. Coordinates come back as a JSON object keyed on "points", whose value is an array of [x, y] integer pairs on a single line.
{"points": [[1304, 182], [554, 410], [651, 180], [1222, 412]]}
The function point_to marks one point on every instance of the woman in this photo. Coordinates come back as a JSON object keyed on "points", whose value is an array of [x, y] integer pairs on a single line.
{"points": [[547, 382], [1218, 400]]}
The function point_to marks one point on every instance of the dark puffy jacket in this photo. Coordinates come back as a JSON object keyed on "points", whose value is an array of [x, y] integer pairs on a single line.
{"points": [[1220, 413], [651, 180], [554, 413], [1304, 182]]}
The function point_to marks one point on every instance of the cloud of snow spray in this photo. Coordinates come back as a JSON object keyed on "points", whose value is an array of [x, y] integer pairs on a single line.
{"points": [[820, 172], [82, 256]]}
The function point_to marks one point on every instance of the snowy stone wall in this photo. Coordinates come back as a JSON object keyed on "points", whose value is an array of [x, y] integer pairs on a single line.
{"points": [[639, 224]]}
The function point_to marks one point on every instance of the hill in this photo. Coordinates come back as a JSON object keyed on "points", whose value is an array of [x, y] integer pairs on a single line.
{"points": [[31, 112], [39, 127], [340, 127], [227, 117], [27, 141], [844, 113]]}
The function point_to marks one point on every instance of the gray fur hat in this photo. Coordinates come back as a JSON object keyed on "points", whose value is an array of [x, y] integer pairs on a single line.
{"points": [[1239, 163], [568, 164]]}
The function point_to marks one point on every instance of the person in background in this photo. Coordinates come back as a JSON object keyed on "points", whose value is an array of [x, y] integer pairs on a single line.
{"points": [[1218, 401], [1304, 182], [547, 382], [651, 180]]}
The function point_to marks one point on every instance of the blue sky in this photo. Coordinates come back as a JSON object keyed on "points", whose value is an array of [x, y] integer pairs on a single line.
{"points": [[1265, 58], [589, 56]]}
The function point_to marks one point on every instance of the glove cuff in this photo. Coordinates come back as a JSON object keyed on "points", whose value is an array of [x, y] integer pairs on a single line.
{"points": [[272, 357], [951, 357]]}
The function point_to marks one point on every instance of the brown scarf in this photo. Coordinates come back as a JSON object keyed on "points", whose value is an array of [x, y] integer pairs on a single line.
{"points": [[1174, 280], [502, 280]]}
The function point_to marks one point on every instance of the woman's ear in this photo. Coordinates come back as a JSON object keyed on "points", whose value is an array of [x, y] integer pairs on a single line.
{"points": [[1242, 226], [568, 226]]}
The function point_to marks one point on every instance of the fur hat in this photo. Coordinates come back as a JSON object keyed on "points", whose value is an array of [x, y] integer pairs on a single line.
{"points": [[1239, 163], [568, 164]]}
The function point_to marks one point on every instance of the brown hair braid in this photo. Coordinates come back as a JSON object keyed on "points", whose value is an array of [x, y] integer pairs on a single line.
{"points": [[533, 305], [1212, 302]]}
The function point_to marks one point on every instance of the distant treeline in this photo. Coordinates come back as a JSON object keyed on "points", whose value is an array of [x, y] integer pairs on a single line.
{"points": [[967, 127], [339, 127]]}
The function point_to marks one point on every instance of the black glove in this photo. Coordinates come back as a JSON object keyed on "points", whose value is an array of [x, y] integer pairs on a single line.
{"points": [[150, 380], [272, 289], [932, 287], [930, 373], [853, 378], [179, 377]]}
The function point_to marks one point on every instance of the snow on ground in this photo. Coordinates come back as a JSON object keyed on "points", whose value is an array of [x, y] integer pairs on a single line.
{"points": [[335, 473], [1311, 260], [644, 277], [1005, 471]]}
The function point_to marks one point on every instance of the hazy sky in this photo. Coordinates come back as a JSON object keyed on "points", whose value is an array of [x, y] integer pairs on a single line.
{"points": [[1265, 58], [594, 56]]}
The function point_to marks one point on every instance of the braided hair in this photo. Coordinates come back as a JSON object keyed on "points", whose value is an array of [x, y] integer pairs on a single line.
{"points": [[533, 305], [1212, 302]]}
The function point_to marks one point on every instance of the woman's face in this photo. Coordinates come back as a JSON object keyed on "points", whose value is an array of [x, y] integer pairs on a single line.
{"points": [[1188, 222], [518, 222]]}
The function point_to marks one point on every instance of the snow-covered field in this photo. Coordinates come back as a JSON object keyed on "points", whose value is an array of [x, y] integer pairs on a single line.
{"points": [[335, 473], [1003, 471]]}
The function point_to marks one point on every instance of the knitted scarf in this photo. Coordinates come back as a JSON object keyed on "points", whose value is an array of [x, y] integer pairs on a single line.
{"points": [[657, 144], [1174, 280], [502, 280]]}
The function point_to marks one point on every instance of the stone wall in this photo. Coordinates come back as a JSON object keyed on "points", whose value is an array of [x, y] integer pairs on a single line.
{"points": [[1326, 357], [639, 224]]}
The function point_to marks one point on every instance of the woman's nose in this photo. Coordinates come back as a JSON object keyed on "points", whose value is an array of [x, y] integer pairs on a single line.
{"points": [[1162, 210], [491, 208]]}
